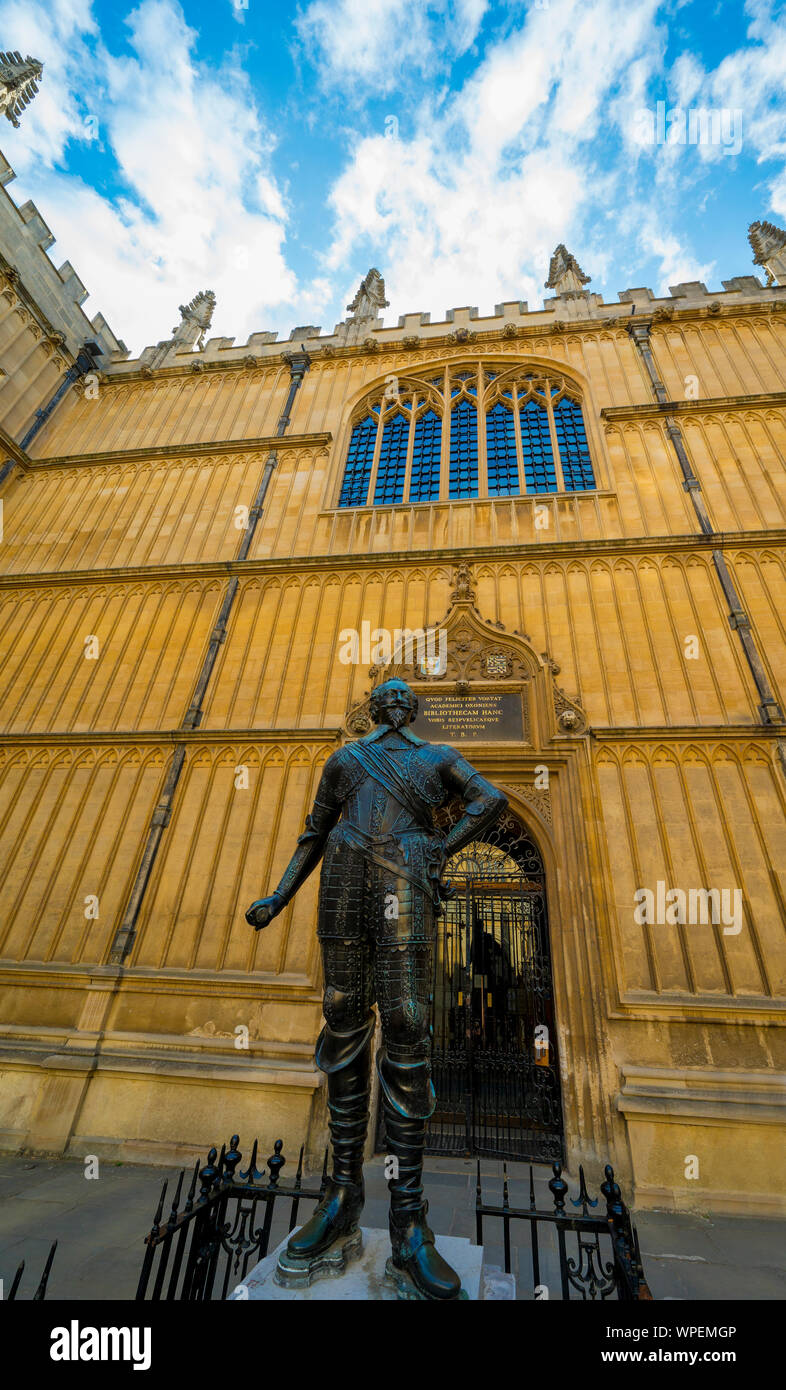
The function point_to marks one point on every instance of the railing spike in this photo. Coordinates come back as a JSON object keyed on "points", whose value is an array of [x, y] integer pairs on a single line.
{"points": [[192, 1189], [159, 1209], [176, 1200], [583, 1200], [16, 1282], [252, 1173], [40, 1292]]}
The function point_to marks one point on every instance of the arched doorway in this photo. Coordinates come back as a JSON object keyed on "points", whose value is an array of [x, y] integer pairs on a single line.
{"points": [[495, 1063]]}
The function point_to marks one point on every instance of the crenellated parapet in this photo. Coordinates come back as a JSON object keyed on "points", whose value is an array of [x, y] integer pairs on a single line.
{"points": [[570, 311], [57, 293]]}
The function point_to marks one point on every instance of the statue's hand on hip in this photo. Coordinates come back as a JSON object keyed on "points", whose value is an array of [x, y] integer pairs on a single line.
{"points": [[263, 911]]}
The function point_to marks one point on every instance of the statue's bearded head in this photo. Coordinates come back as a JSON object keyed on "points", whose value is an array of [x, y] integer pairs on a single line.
{"points": [[393, 703]]}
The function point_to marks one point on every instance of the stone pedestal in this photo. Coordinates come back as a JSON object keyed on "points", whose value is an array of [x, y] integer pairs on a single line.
{"points": [[363, 1277]]}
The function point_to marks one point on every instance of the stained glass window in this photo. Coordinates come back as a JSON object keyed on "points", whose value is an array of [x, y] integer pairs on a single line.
{"points": [[426, 452], [360, 456], [503, 468], [539, 471], [464, 450], [392, 460], [573, 448]]}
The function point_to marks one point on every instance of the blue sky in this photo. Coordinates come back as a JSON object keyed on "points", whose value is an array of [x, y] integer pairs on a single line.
{"points": [[274, 152]]}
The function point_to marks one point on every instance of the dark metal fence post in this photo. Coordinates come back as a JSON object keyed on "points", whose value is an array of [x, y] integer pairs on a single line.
{"points": [[588, 1273], [216, 1235]]}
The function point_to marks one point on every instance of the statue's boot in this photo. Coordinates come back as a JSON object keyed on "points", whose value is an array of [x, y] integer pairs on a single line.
{"points": [[414, 1253], [346, 1058]]}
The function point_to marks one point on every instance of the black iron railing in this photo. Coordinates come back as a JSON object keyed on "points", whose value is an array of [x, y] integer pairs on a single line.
{"points": [[223, 1230], [204, 1249], [40, 1292], [588, 1273]]}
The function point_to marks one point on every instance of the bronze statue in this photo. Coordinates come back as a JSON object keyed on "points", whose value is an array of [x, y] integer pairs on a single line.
{"points": [[380, 891]]}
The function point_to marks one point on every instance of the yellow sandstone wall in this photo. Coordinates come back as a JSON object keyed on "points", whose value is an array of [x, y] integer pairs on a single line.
{"points": [[123, 528]]}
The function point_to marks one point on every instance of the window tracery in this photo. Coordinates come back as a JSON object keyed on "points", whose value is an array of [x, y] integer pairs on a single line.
{"points": [[469, 432]]}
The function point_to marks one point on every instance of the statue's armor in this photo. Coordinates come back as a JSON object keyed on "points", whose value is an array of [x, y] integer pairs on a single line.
{"points": [[380, 891], [372, 824]]}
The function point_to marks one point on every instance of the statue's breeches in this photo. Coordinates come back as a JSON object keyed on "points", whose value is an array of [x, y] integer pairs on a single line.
{"points": [[376, 928]]}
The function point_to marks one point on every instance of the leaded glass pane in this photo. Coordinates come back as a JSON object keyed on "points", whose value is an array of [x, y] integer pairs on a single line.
{"points": [[539, 472], [573, 447], [464, 450], [392, 460], [360, 456], [503, 470], [426, 451]]}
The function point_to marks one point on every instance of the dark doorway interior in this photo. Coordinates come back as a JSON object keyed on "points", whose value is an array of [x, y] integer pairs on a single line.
{"points": [[495, 1064]]}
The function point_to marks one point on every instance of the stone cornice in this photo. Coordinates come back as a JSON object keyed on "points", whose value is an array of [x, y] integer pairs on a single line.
{"points": [[259, 984], [297, 564], [166, 737], [773, 400], [682, 733], [611, 734], [165, 451]]}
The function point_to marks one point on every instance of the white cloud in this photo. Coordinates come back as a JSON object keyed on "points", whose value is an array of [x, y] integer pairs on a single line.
{"points": [[536, 145], [201, 206], [512, 164], [745, 89], [57, 33], [372, 45]]}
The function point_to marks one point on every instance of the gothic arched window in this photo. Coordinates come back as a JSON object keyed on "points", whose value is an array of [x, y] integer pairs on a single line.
{"points": [[392, 460], [539, 471], [471, 431], [464, 450], [573, 447], [426, 458], [360, 455], [501, 461]]}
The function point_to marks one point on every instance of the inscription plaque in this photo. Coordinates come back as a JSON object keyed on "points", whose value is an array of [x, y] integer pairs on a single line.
{"points": [[475, 718]]}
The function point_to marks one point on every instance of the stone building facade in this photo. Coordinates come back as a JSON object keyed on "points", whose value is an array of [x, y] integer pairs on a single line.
{"points": [[590, 499]]}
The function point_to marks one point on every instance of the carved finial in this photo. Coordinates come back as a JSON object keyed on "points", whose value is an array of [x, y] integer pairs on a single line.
{"points": [[233, 1157], [611, 1191], [768, 244], [369, 299], [558, 1189], [565, 274], [19, 78], [276, 1162], [208, 1175], [195, 319]]}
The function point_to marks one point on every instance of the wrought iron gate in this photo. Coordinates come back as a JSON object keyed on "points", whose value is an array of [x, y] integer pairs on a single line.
{"points": [[495, 1064]]}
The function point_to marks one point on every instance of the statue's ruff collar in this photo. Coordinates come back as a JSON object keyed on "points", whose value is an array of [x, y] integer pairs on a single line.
{"points": [[383, 729]]}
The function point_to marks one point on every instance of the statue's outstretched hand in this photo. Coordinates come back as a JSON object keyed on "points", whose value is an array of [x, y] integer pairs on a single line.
{"points": [[263, 911]]}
